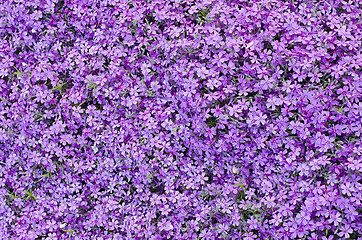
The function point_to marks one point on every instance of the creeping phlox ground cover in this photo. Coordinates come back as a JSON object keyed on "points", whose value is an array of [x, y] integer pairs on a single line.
{"points": [[211, 119]]}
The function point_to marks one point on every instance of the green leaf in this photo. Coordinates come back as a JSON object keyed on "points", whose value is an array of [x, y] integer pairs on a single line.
{"points": [[130, 116], [340, 109], [19, 73], [241, 186], [30, 194], [13, 196]]}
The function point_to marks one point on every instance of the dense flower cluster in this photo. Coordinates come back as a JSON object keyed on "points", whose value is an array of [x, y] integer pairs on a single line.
{"points": [[196, 119]]}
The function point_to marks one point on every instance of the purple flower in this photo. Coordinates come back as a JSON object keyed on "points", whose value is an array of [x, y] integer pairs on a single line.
{"points": [[315, 76], [259, 118], [165, 225], [345, 231], [253, 223], [277, 219], [335, 218], [249, 236], [347, 188]]}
